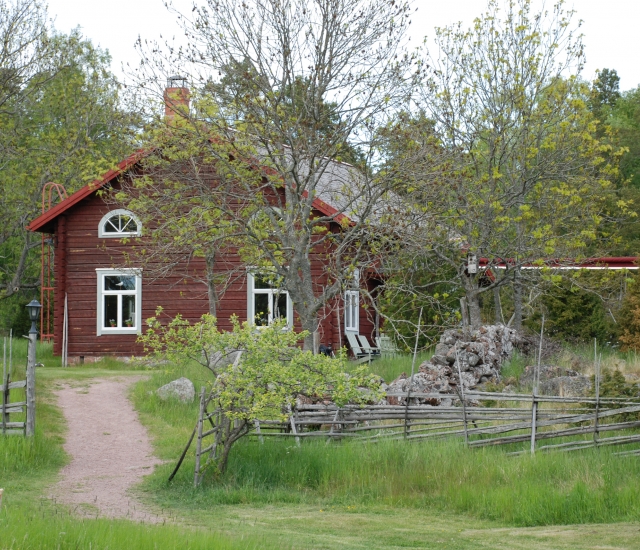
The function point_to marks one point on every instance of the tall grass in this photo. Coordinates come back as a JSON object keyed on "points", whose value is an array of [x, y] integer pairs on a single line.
{"points": [[389, 368], [561, 488], [28, 466]]}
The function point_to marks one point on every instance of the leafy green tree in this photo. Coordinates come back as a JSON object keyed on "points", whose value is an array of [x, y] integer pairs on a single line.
{"points": [[573, 313], [527, 178], [66, 125], [257, 374]]}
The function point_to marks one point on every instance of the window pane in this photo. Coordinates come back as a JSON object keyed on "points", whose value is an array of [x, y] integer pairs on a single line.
{"points": [[128, 224], [128, 311], [261, 309], [280, 301], [119, 282], [112, 225], [347, 310], [110, 311], [262, 281]]}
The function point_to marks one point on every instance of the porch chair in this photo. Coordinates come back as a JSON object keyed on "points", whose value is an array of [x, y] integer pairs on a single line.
{"points": [[361, 356], [366, 346], [387, 346]]}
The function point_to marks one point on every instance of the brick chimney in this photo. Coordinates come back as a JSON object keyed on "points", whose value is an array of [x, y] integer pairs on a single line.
{"points": [[176, 98]]}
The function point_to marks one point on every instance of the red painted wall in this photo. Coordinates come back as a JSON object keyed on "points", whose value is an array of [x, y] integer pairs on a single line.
{"points": [[79, 251]]}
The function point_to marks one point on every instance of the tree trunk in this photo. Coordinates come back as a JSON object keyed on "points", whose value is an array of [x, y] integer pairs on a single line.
{"points": [[517, 300], [310, 324], [497, 304], [475, 316], [212, 292], [473, 301]]}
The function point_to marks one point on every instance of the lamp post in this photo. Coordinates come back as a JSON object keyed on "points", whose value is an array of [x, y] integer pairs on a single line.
{"points": [[33, 307]]}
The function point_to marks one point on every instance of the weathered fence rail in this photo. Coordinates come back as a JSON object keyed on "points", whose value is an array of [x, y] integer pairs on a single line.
{"points": [[527, 418], [481, 418], [8, 408]]}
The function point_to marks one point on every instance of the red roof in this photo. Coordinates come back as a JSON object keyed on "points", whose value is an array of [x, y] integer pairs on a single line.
{"points": [[42, 222]]}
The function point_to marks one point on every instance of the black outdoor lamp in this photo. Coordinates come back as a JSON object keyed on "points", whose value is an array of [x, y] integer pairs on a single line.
{"points": [[34, 307]]}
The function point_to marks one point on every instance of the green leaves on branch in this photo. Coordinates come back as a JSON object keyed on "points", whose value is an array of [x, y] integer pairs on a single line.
{"points": [[258, 373]]}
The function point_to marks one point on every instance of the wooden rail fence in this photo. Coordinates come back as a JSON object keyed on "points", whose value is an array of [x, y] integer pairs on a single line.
{"points": [[7, 408], [487, 419]]}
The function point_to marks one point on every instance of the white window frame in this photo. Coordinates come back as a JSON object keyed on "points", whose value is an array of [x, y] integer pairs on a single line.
{"points": [[252, 291], [352, 311], [101, 274], [102, 234]]}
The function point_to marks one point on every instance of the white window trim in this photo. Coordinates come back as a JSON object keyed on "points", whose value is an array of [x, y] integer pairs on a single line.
{"points": [[251, 291], [351, 313], [102, 234], [101, 273]]}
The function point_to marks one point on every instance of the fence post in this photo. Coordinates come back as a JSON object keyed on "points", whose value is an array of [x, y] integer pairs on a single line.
{"points": [[292, 421], [413, 366], [196, 477], [5, 389], [463, 401], [597, 384], [536, 380], [31, 383]]}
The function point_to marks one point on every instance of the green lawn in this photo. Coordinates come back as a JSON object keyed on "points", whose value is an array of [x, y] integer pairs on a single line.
{"points": [[341, 495]]}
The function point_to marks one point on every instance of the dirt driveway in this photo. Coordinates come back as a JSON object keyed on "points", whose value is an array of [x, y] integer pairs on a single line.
{"points": [[109, 448]]}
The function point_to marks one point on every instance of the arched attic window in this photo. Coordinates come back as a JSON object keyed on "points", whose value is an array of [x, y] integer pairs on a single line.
{"points": [[118, 224]]}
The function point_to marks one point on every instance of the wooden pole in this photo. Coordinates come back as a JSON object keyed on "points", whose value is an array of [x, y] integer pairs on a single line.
{"points": [[534, 404], [30, 428], [465, 314], [413, 366], [292, 421], [196, 477], [597, 384], [256, 423], [463, 401], [5, 389], [184, 453], [65, 333]]}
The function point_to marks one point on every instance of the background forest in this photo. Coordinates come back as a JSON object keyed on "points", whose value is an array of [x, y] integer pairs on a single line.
{"points": [[65, 118]]}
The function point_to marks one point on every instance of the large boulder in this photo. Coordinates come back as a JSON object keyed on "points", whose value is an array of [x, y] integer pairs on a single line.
{"points": [[566, 386], [181, 389]]}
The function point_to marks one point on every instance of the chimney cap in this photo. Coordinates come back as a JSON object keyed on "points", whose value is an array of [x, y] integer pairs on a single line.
{"points": [[172, 81]]}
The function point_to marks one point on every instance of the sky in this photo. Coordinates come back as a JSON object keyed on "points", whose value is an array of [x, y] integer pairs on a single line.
{"points": [[609, 28]]}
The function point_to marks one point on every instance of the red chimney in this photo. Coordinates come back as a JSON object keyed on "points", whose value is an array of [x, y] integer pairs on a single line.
{"points": [[176, 97]]}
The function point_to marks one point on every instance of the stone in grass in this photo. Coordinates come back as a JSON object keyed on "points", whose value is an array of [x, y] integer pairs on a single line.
{"points": [[181, 389]]}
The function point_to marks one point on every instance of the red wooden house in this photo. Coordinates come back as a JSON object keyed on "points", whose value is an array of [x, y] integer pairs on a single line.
{"points": [[106, 306]]}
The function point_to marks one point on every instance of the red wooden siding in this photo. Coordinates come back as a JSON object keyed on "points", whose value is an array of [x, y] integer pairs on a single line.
{"points": [[79, 251]]}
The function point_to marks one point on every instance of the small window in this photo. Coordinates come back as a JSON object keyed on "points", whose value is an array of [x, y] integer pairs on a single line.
{"points": [[119, 302], [352, 310], [119, 224], [266, 301]]}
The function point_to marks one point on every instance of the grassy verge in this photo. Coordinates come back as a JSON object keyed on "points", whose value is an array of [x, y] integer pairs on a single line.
{"points": [[276, 495], [28, 467], [592, 486]]}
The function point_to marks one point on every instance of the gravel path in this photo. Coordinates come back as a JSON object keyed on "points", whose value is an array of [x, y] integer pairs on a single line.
{"points": [[109, 448]]}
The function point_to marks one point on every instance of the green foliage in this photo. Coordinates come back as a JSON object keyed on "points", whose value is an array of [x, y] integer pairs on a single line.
{"points": [[630, 316], [527, 176], [258, 373], [64, 124], [614, 384], [267, 376], [573, 314]]}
